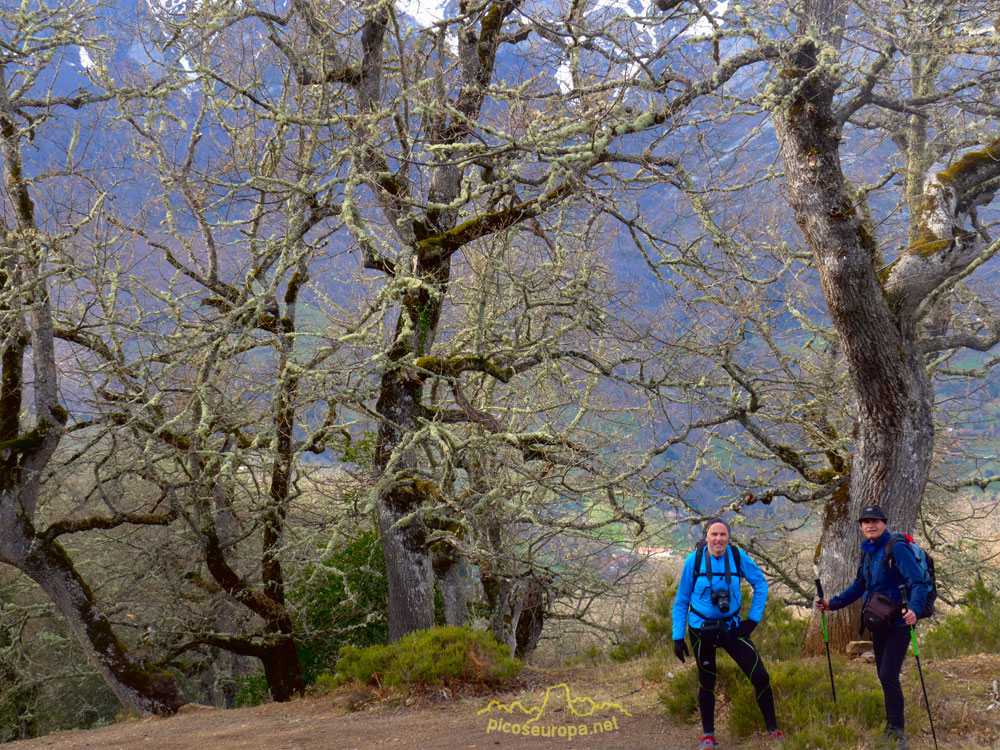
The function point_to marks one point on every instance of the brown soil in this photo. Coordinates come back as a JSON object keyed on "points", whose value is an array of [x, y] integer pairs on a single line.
{"points": [[315, 724], [439, 722], [430, 722]]}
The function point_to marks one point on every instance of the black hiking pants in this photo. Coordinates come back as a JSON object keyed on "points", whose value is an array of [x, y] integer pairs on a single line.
{"points": [[890, 647], [745, 654]]}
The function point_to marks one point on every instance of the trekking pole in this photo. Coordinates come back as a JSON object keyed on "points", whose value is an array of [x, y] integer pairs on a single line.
{"points": [[826, 640], [913, 639]]}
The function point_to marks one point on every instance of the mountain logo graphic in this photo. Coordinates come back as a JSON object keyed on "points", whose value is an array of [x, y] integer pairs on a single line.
{"points": [[586, 716]]}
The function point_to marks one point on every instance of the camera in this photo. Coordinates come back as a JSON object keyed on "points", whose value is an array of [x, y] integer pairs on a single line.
{"points": [[720, 598]]}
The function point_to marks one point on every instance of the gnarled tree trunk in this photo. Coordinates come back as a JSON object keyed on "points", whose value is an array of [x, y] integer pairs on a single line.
{"points": [[146, 689], [428, 230], [448, 574]]}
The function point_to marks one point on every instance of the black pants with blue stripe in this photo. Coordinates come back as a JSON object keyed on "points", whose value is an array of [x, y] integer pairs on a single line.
{"points": [[745, 654]]}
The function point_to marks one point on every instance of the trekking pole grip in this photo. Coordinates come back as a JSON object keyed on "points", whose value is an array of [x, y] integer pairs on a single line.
{"points": [[819, 589]]}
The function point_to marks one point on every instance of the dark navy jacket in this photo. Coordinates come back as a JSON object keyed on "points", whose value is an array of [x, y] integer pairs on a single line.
{"points": [[875, 576]]}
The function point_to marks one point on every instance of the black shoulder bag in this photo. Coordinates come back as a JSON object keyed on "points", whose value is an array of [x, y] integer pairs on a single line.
{"points": [[879, 613]]}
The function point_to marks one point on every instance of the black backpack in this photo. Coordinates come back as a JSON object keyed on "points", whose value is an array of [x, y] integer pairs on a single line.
{"points": [[924, 561]]}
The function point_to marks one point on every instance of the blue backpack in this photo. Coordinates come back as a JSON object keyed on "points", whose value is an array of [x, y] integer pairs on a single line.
{"points": [[924, 561]]}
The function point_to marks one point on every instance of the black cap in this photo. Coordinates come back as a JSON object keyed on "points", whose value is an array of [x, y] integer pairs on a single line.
{"points": [[872, 511]]}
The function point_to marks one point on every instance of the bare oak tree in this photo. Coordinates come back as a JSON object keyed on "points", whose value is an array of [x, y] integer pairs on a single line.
{"points": [[34, 241]]}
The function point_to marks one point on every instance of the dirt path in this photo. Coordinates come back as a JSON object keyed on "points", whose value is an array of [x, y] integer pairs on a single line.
{"points": [[320, 724], [600, 708]]}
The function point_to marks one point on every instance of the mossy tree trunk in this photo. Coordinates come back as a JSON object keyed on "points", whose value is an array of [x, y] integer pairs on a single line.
{"points": [[409, 570], [138, 685]]}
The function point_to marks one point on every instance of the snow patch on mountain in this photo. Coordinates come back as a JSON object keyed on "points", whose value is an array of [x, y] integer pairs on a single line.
{"points": [[425, 12], [564, 77], [428, 13], [708, 23], [638, 17], [188, 68], [86, 61], [174, 7]]}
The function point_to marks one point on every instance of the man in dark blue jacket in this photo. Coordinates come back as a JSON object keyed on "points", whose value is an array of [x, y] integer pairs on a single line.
{"points": [[875, 576]]}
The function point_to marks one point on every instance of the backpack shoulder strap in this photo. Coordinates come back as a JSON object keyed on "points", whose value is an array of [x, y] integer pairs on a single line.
{"points": [[865, 565], [892, 542], [890, 552], [698, 554]]}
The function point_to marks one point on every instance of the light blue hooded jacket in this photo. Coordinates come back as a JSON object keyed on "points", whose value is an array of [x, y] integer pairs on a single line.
{"points": [[693, 604]]}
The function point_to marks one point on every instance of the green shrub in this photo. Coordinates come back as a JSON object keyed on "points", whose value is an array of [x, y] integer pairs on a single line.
{"points": [[780, 634], [325, 683], [342, 602], [802, 698], [679, 695], [437, 656], [826, 736], [970, 630], [590, 655]]}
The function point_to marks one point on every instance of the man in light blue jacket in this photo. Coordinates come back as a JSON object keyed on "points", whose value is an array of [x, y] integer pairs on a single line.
{"points": [[708, 603]]}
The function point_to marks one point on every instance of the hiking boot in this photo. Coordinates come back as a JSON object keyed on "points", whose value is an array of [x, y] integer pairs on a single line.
{"points": [[777, 736], [894, 739], [707, 742]]}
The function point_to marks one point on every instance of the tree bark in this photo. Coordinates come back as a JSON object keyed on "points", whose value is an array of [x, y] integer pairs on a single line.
{"points": [[448, 574], [842, 627], [895, 430], [430, 246], [409, 572], [841, 538], [282, 669]]}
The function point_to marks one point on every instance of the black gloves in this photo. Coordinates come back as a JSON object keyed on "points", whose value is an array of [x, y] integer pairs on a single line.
{"points": [[745, 628], [681, 649]]}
